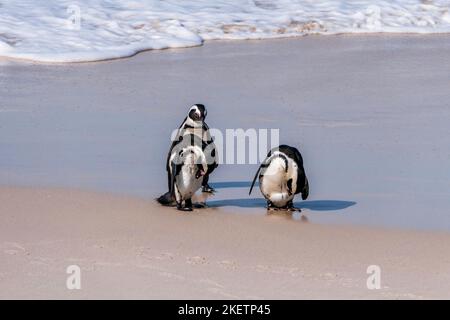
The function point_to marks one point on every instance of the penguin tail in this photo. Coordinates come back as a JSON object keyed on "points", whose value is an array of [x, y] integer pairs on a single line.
{"points": [[305, 190], [166, 199]]}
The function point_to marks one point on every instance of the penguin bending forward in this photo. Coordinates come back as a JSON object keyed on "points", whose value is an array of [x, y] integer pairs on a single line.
{"points": [[281, 177], [193, 124], [188, 167]]}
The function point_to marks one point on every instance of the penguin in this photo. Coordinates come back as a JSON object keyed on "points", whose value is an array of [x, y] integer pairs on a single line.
{"points": [[281, 177], [188, 167], [193, 124]]}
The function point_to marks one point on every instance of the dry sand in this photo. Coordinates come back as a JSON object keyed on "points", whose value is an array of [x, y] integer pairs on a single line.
{"points": [[128, 248]]}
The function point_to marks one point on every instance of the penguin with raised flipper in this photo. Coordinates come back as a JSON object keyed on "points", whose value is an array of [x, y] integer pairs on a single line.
{"points": [[281, 177], [193, 124], [188, 167]]}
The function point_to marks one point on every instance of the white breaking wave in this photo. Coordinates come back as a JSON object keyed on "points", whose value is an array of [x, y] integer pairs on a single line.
{"points": [[90, 30]]}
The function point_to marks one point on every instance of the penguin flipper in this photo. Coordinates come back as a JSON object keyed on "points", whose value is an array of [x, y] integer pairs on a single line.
{"points": [[173, 173], [254, 180], [305, 190], [264, 165]]}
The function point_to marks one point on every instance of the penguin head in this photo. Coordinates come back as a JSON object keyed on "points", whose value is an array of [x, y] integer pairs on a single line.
{"points": [[197, 112]]}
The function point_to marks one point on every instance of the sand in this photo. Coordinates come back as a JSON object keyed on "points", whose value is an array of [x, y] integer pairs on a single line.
{"points": [[128, 248], [83, 149]]}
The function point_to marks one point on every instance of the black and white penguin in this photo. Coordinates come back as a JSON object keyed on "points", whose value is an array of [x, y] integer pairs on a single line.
{"points": [[281, 177], [188, 167], [193, 124]]}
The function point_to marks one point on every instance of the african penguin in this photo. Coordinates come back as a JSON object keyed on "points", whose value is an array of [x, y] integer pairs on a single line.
{"points": [[193, 124], [281, 177], [188, 168]]}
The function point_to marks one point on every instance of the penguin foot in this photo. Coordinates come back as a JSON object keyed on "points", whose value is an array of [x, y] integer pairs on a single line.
{"points": [[271, 206], [276, 209], [208, 189], [187, 205], [290, 207], [185, 208], [167, 199]]}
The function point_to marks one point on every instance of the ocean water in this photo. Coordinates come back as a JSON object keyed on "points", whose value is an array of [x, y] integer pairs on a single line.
{"points": [[90, 30]]}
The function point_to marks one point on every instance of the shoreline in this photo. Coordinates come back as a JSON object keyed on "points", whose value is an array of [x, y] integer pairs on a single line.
{"points": [[26, 61]]}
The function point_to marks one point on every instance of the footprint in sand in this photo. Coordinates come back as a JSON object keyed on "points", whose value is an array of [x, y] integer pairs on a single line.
{"points": [[197, 260], [107, 264], [12, 248], [227, 264], [223, 293], [261, 268], [393, 295], [292, 271], [164, 256], [171, 275], [147, 253], [330, 276], [41, 261], [212, 283]]}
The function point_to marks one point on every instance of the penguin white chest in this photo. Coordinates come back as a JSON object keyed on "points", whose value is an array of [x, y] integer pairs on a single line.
{"points": [[274, 183], [187, 183]]}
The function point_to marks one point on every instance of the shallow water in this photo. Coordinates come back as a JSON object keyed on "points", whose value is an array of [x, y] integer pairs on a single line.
{"points": [[369, 114]]}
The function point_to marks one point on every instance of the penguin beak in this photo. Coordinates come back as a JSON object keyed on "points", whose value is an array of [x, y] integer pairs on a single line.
{"points": [[198, 116]]}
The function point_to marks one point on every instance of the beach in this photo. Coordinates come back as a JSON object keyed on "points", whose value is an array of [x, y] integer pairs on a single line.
{"points": [[134, 249], [83, 149]]}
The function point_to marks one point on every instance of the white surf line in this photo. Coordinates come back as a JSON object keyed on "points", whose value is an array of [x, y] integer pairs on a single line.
{"points": [[86, 30]]}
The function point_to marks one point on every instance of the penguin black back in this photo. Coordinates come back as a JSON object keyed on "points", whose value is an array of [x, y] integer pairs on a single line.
{"points": [[302, 180]]}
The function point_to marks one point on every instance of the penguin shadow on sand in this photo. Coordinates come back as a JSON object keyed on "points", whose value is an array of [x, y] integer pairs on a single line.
{"points": [[312, 205]]}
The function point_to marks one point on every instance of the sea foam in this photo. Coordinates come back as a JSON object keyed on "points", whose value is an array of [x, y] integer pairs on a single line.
{"points": [[90, 30]]}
